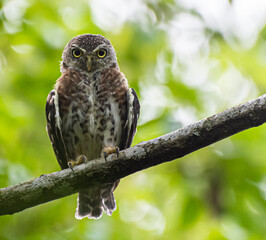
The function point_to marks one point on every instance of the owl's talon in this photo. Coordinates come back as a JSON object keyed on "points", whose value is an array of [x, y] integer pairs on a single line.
{"points": [[110, 150], [71, 164], [79, 160], [117, 151]]}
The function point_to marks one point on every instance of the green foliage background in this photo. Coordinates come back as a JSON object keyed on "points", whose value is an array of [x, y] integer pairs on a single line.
{"points": [[185, 64]]}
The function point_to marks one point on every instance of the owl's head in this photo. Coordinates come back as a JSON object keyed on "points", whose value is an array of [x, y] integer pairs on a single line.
{"points": [[89, 53]]}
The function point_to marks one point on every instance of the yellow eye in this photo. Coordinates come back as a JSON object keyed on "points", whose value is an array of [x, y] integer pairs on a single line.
{"points": [[101, 53], [77, 53]]}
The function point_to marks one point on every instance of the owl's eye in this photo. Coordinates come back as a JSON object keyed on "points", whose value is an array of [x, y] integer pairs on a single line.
{"points": [[101, 53], [77, 53]]}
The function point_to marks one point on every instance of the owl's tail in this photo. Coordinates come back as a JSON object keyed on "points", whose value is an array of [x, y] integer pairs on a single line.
{"points": [[93, 200]]}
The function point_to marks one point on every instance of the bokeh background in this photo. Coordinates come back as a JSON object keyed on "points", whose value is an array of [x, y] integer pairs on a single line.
{"points": [[187, 59]]}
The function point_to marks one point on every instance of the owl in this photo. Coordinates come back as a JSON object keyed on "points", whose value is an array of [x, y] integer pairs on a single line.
{"points": [[91, 113]]}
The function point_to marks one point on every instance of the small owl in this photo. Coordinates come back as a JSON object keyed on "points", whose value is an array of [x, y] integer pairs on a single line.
{"points": [[91, 113]]}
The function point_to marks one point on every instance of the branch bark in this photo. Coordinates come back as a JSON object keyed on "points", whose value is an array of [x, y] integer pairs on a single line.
{"points": [[166, 148]]}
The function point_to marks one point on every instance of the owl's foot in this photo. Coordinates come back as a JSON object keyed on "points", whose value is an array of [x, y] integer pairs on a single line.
{"points": [[79, 160], [110, 150]]}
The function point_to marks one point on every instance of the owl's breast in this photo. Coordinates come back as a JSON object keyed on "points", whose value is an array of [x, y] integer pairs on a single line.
{"points": [[95, 117]]}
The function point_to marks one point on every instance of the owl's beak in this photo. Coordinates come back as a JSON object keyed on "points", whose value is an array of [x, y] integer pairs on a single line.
{"points": [[89, 63]]}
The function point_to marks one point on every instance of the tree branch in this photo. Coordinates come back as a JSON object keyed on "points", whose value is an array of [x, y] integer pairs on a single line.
{"points": [[173, 145]]}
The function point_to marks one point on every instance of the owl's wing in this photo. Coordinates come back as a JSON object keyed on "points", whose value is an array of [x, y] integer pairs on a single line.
{"points": [[133, 109], [54, 129]]}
